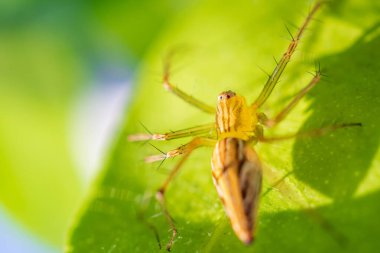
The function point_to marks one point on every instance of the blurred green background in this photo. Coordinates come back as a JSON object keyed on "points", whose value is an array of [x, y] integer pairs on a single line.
{"points": [[65, 72], [77, 76]]}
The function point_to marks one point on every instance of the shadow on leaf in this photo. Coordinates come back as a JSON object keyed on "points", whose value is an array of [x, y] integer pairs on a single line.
{"points": [[336, 164]]}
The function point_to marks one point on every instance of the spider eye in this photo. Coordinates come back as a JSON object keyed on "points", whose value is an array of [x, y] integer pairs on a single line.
{"points": [[228, 96], [220, 97]]}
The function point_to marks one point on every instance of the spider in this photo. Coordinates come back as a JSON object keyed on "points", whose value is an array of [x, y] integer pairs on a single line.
{"points": [[236, 168]]}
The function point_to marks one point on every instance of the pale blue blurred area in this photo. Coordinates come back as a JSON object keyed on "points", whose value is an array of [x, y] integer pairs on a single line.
{"points": [[15, 239], [95, 117]]}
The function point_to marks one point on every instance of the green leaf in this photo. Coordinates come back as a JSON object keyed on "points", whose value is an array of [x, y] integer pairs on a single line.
{"points": [[329, 197]]}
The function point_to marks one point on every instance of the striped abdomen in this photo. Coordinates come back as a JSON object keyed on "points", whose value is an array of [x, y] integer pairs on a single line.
{"points": [[237, 177]]}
